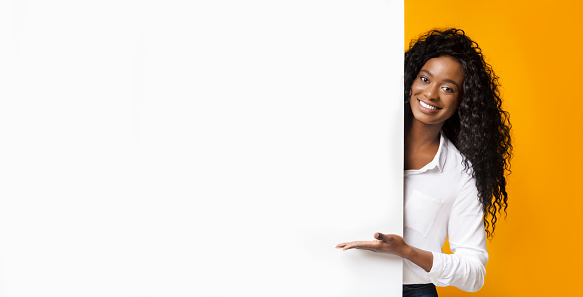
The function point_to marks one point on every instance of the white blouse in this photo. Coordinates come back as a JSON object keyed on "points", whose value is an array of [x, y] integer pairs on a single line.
{"points": [[441, 200]]}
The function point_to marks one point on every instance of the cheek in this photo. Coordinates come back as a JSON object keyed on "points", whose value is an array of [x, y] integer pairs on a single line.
{"points": [[454, 104], [416, 88], [413, 90]]}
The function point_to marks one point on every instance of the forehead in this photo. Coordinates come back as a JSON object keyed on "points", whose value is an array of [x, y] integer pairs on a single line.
{"points": [[445, 67]]}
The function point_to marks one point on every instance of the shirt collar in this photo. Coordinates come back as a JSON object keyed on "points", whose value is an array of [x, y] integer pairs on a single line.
{"points": [[442, 151]]}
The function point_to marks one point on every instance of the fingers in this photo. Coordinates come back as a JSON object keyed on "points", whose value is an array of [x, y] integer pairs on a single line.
{"points": [[388, 238], [383, 243], [362, 245], [349, 245]]}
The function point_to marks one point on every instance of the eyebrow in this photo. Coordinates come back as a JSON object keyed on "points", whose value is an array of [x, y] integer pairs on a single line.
{"points": [[446, 79]]}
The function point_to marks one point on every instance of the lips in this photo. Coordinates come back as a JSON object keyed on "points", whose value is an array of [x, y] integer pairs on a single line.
{"points": [[428, 106]]}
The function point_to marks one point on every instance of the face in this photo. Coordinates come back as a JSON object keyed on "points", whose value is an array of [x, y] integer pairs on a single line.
{"points": [[436, 92]]}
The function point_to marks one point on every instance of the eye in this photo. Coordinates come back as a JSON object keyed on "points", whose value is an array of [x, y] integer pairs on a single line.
{"points": [[447, 89], [424, 79]]}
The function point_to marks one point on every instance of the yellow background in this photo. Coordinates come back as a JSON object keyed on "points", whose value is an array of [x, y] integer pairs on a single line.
{"points": [[536, 49]]}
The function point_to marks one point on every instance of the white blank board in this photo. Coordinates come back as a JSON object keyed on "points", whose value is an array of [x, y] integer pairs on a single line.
{"points": [[199, 148]]}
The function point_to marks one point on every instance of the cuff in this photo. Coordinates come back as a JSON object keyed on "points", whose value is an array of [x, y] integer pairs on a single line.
{"points": [[438, 265]]}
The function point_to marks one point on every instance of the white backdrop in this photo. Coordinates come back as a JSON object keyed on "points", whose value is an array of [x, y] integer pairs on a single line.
{"points": [[199, 148]]}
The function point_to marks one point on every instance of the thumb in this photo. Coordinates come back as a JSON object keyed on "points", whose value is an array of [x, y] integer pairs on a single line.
{"points": [[383, 237]]}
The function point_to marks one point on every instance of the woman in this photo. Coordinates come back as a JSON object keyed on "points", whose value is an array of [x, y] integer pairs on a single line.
{"points": [[457, 151]]}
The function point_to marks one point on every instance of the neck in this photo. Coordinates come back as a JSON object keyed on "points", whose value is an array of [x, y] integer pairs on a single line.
{"points": [[421, 135], [421, 144]]}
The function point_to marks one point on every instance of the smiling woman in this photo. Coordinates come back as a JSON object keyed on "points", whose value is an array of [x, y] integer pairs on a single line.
{"points": [[436, 91], [457, 151]]}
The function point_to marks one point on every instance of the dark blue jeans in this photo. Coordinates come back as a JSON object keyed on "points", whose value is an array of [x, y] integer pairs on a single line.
{"points": [[422, 290]]}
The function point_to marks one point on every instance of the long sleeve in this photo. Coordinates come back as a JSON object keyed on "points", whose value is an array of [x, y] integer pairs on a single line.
{"points": [[465, 268]]}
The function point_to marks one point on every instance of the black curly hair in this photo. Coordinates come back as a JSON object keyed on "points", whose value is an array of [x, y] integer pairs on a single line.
{"points": [[479, 129]]}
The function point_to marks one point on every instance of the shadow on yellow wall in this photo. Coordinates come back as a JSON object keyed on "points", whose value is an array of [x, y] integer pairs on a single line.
{"points": [[537, 50]]}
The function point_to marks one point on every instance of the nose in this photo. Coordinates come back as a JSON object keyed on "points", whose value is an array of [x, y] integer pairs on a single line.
{"points": [[431, 92]]}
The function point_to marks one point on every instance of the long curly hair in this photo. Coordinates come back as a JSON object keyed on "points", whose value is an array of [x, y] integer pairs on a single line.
{"points": [[479, 128]]}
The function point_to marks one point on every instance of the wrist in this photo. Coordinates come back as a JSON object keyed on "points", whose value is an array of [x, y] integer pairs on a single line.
{"points": [[408, 252]]}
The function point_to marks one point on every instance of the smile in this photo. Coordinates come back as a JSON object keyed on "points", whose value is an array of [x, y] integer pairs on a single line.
{"points": [[427, 105]]}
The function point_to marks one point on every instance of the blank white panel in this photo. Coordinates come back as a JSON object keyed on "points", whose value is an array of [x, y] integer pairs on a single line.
{"points": [[199, 148]]}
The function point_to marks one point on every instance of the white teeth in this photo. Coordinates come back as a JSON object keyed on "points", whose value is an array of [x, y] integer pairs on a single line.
{"points": [[427, 105]]}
